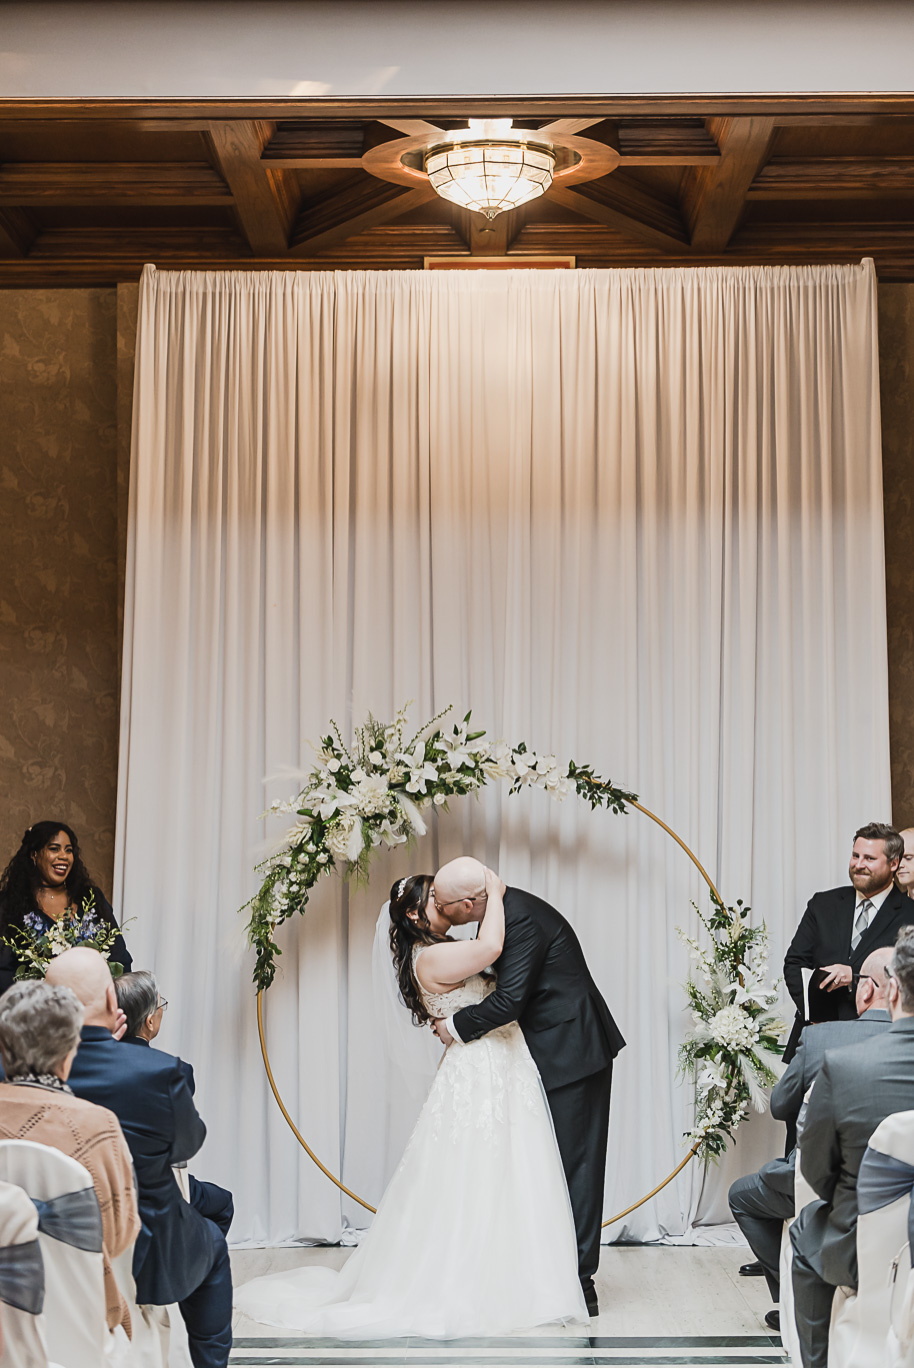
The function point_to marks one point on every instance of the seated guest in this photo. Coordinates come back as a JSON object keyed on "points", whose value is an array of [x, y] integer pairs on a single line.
{"points": [[45, 878], [139, 999], [181, 1254], [761, 1202], [143, 1006], [857, 1087], [39, 1037], [904, 874]]}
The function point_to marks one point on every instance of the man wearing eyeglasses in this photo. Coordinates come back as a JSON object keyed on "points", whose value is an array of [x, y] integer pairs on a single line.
{"points": [[544, 984], [857, 1087], [761, 1202]]}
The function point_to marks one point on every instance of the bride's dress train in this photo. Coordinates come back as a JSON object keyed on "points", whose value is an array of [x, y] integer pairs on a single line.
{"points": [[474, 1235]]}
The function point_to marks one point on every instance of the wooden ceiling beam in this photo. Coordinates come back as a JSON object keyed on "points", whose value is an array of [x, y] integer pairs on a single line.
{"points": [[713, 197], [264, 208], [627, 208], [112, 182], [362, 205], [833, 178], [17, 232]]}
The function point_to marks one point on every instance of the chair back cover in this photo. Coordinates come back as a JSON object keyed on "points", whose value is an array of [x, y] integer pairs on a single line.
{"points": [[860, 1323], [75, 1326], [21, 1281], [802, 1193]]}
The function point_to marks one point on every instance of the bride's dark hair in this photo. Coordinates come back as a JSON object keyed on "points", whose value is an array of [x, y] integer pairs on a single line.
{"points": [[411, 895]]}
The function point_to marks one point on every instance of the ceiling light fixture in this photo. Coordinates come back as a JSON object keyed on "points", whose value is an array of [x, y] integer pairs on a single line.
{"points": [[490, 166]]}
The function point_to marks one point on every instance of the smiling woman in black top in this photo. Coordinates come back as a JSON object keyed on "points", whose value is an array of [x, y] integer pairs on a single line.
{"points": [[46, 876]]}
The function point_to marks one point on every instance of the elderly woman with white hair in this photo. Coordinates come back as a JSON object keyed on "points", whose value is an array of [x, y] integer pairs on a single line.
{"points": [[40, 1027]]}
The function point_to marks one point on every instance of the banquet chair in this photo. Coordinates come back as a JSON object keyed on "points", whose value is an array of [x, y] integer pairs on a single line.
{"points": [[803, 1194], [21, 1281], [860, 1320], [159, 1339], [70, 1240]]}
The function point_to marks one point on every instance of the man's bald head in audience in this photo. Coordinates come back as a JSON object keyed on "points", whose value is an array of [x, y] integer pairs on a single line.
{"points": [[87, 973], [872, 983]]}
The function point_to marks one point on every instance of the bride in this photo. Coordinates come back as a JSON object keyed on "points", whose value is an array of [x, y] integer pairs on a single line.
{"points": [[474, 1235]]}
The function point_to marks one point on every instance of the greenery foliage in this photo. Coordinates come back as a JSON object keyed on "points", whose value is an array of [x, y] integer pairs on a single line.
{"points": [[733, 1051], [374, 792]]}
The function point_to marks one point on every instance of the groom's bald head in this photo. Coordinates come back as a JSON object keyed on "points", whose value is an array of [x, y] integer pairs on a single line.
{"points": [[457, 886]]}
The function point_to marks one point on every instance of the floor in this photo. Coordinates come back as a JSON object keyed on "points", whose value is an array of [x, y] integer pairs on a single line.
{"points": [[660, 1305]]}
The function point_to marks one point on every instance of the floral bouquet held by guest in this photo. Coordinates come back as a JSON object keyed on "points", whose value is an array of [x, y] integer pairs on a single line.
{"points": [[49, 903], [36, 943]]}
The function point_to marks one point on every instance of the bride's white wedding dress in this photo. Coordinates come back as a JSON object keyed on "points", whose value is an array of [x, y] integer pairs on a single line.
{"points": [[474, 1235]]}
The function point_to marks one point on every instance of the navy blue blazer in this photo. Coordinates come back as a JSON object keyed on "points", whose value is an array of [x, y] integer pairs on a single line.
{"points": [[152, 1095]]}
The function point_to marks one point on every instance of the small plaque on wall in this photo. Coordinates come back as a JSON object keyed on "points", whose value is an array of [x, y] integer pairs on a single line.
{"points": [[499, 263]]}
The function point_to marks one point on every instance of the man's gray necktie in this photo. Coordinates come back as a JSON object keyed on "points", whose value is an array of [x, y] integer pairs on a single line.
{"points": [[860, 924]]}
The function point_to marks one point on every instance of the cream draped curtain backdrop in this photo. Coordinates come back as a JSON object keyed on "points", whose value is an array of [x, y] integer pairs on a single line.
{"points": [[632, 517]]}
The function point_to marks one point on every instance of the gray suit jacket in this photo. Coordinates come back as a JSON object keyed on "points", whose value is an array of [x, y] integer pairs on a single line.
{"points": [[858, 1087], [787, 1095]]}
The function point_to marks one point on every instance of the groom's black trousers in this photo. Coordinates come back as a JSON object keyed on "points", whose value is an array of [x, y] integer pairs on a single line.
{"points": [[580, 1114]]}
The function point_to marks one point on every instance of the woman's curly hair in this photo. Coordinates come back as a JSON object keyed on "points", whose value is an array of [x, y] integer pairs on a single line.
{"points": [[19, 881]]}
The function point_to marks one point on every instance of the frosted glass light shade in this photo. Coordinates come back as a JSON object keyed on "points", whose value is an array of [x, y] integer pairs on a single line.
{"points": [[490, 166]]}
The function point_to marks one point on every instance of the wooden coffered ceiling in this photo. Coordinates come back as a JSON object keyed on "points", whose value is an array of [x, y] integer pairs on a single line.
{"points": [[91, 190]]}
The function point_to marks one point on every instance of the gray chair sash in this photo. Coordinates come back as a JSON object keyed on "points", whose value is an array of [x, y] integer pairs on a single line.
{"points": [[74, 1219], [22, 1277], [883, 1179]]}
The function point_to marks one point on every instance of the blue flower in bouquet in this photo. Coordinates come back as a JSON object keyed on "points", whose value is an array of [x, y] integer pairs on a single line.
{"points": [[39, 940]]}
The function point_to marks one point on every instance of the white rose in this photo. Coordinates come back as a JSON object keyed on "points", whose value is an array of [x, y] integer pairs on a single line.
{"points": [[439, 799], [376, 758], [333, 766], [322, 858], [358, 775]]}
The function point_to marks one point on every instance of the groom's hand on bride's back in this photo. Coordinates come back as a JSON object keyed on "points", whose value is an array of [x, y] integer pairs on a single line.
{"points": [[441, 1031]]}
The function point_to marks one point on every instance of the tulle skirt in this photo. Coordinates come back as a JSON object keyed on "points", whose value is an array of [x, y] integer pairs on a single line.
{"points": [[474, 1235]]}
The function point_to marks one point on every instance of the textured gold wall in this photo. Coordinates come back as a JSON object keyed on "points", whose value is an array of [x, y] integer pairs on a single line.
{"points": [[66, 369], [896, 369], [58, 566]]}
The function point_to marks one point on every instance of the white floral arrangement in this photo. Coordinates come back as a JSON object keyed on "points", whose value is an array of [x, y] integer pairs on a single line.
{"points": [[374, 792], [733, 1049]]}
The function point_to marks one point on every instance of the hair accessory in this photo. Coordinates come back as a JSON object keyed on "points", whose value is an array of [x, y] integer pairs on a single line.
{"points": [[400, 887]]}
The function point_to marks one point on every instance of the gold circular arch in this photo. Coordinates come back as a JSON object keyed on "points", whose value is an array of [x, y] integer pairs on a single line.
{"points": [[367, 1205]]}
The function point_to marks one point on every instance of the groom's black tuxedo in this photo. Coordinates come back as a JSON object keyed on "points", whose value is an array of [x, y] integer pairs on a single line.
{"points": [[545, 986]]}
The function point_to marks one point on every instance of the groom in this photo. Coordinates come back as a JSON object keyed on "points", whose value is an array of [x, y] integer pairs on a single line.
{"points": [[545, 986]]}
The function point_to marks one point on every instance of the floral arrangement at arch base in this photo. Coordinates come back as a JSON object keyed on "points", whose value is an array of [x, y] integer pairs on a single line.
{"points": [[733, 1049], [373, 793]]}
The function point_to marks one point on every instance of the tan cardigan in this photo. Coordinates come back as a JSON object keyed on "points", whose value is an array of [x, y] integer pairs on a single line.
{"points": [[93, 1136]]}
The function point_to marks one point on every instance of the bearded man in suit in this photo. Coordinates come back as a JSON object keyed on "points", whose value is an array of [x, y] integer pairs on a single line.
{"points": [[858, 1086], [543, 984], [841, 926]]}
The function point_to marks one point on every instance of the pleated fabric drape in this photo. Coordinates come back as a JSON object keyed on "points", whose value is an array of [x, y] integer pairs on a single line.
{"points": [[633, 517]]}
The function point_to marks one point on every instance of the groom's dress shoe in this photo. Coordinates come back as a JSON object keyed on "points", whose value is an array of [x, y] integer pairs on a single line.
{"points": [[590, 1298], [752, 1270], [773, 1320]]}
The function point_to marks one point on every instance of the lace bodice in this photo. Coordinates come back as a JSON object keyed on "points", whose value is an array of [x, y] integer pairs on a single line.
{"points": [[465, 994]]}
